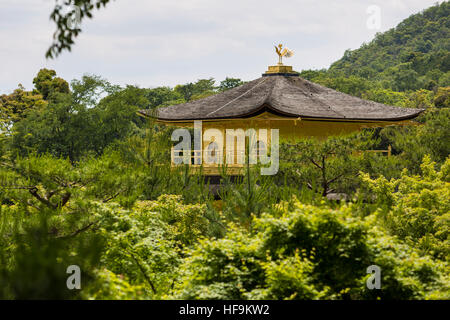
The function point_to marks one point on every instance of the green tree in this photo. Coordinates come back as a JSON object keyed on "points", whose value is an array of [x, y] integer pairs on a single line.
{"points": [[417, 207], [71, 126], [47, 84], [14, 107], [34, 261], [431, 137], [442, 98], [186, 91], [230, 83], [90, 89], [325, 167], [163, 96], [193, 91]]}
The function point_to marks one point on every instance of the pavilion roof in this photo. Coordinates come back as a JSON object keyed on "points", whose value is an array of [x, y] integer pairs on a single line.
{"points": [[286, 95]]}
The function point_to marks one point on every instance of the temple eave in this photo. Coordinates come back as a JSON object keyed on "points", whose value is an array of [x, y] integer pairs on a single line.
{"points": [[273, 114]]}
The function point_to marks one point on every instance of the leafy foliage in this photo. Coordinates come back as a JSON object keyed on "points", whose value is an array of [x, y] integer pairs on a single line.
{"points": [[13, 107], [305, 252], [414, 142], [418, 207], [65, 16]]}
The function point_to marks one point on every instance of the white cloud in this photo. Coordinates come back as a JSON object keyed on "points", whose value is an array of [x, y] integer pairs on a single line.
{"points": [[165, 42]]}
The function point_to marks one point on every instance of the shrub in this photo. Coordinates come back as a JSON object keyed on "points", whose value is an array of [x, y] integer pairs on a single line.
{"points": [[417, 207], [307, 252]]}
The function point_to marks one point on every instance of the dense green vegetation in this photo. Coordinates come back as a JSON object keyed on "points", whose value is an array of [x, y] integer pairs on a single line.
{"points": [[86, 181], [411, 56]]}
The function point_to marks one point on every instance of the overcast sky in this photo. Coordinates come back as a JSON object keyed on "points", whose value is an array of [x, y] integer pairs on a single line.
{"points": [[167, 42]]}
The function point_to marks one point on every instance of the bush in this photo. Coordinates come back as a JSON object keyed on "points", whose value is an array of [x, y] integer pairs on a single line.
{"points": [[144, 244], [307, 252], [417, 207]]}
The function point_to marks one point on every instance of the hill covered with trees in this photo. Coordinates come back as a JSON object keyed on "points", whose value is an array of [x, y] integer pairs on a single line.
{"points": [[408, 65], [414, 55]]}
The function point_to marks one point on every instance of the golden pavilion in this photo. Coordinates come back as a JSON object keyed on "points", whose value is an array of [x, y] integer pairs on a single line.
{"points": [[281, 100]]}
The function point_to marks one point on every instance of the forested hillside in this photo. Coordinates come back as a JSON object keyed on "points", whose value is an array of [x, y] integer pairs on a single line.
{"points": [[408, 65], [414, 55]]}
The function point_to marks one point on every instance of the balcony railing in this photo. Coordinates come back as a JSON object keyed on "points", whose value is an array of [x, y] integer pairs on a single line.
{"points": [[214, 158]]}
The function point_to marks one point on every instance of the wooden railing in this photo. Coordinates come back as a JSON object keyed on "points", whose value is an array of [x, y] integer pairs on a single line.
{"points": [[197, 157], [388, 151], [198, 163]]}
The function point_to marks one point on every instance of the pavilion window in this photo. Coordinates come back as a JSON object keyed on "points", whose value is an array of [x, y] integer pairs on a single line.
{"points": [[213, 153]]}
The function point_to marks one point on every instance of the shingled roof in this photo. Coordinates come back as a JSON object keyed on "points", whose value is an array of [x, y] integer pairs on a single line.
{"points": [[286, 95]]}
